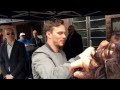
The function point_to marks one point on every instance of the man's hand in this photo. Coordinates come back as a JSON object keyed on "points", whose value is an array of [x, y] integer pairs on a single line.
{"points": [[83, 75], [9, 76], [76, 64], [86, 56], [102, 44], [83, 62], [87, 52]]}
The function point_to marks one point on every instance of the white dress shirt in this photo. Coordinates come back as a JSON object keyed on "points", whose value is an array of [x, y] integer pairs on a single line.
{"points": [[9, 48]]}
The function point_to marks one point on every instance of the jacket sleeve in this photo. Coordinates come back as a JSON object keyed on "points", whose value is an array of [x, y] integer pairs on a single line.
{"points": [[46, 69], [40, 42], [78, 45], [21, 62], [2, 64]]}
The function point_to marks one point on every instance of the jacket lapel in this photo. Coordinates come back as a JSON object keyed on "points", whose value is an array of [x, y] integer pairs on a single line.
{"points": [[5, 51], [13, 50]]}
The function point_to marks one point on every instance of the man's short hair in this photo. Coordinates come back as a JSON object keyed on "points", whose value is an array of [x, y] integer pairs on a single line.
{"points": [[49, 24]]}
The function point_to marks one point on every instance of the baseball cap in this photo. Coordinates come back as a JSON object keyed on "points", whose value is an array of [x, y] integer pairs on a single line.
{"points": [[22, 34]]}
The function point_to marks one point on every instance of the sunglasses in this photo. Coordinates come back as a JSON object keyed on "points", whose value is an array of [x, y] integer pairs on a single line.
{"points": [[12, 33]]}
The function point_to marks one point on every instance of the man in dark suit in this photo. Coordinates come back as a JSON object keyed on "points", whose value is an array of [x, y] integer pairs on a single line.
{"points": [[12, 56], [73, 45], [35, 40]]}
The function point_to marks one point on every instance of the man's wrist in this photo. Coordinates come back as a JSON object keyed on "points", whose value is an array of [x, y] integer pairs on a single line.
{"points": [[77, 57], [12, 76]]}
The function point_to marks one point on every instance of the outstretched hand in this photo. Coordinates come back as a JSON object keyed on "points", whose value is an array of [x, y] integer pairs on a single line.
{"points": [[102, 44], [83, 62]]}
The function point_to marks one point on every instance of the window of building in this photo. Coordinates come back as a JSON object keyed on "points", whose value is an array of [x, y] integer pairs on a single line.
{"points": [[91, 28]]}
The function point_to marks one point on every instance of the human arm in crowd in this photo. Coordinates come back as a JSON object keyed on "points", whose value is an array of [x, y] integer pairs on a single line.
{"points": [[4, 71], [21, 61], [83, 62], [86, 59], [102, 44], [47, 70], [2, 64]]}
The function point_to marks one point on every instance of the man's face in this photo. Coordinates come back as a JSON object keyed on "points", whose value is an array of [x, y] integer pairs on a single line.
{"points": [[58, 35], [35, 33], [22, 37], [71, 29], [9, 34]]}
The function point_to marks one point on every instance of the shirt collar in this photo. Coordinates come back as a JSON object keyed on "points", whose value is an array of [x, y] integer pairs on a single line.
{"points": [[11, 43], [50, 47]]}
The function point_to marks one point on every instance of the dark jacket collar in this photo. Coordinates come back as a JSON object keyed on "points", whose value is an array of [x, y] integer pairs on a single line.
{"points": [[48, 46]]}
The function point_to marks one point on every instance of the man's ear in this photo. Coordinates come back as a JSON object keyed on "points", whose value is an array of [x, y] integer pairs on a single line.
{"points": [[48, 34]]}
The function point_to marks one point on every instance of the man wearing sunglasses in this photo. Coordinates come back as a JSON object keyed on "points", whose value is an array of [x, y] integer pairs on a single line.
{"points": [[12, 56]]}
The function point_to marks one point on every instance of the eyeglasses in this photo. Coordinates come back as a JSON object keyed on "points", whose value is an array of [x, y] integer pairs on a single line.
{"points": [[12, 33]]}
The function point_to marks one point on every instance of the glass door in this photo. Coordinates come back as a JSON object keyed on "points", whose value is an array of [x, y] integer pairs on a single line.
{"points": [[115, 25], [97, 30], [91, 28], [80, 25]]}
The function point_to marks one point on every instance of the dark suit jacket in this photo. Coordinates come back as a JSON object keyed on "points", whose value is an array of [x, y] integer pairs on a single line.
{"points": [[73, 45], [16, 61], [39, 43], [1, 38]]}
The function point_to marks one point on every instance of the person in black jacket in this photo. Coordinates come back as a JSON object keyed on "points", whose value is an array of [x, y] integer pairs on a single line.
{"points": [[73, 45], [12, 57], [35, 40]]}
